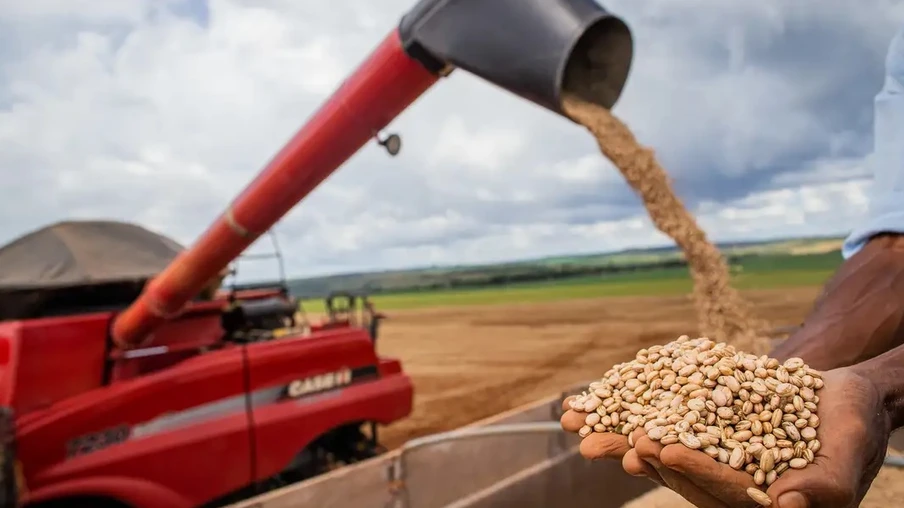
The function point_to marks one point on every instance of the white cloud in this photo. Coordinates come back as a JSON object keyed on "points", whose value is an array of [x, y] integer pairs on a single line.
{"points": [[482, 149], [160, 112], [98, 11]]}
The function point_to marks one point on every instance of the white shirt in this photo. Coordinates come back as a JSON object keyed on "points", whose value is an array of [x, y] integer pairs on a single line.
{"points": [[886, 209]]}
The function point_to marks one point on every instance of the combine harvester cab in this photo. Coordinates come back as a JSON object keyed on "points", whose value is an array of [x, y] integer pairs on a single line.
{"points": [[228, 399]]}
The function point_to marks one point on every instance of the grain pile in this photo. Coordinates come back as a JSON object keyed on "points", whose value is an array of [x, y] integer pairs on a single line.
{"points": [[722, 314], [753, 413]]}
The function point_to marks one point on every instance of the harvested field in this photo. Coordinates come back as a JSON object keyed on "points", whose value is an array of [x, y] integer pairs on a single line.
{"points": [[472, 362]]}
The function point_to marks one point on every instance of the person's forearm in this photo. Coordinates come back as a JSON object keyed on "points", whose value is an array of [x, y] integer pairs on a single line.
{"points": [[860, 313], [886, 372]]}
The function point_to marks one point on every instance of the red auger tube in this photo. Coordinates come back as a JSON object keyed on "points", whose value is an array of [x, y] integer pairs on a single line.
{"points": [[378, 91], [540, 44]]}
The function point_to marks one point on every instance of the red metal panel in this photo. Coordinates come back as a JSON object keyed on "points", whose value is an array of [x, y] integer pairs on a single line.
{"points": [[53, 359], [382, 87], [284, 428], [177, 457]]}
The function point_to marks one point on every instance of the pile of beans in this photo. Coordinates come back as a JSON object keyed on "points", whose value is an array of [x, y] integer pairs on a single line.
{"points": [[753, 413]]}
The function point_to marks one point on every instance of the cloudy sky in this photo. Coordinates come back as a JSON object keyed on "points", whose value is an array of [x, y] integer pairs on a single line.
{"points": [[160, 111]]}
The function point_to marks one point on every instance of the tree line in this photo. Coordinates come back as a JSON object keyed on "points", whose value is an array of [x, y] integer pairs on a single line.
{"points": [[511, 275]]}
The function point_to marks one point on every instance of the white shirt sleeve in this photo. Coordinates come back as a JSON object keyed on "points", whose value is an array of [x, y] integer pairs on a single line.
{"points": [[886, 209]]}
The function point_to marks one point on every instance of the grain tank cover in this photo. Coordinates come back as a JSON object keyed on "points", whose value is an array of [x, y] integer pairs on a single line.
{"points": [[81, 253]]}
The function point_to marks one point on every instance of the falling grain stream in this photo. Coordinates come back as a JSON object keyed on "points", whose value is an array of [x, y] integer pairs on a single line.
{"points": [[722, 313]]}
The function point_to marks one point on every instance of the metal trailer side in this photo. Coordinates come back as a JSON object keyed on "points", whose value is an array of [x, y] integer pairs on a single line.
{"points": [[519, 456], [516, 458]]}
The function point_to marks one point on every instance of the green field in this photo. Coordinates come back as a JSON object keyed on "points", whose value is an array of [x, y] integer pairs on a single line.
{"points": [[466, 278], [755, 272]]}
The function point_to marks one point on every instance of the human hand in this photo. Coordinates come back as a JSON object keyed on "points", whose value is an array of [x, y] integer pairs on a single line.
{"points": [[607, 445], [598, 445], [853, 433]]}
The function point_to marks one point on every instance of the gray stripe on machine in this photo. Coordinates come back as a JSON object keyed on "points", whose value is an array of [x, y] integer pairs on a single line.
{"points": [[235, 405]]}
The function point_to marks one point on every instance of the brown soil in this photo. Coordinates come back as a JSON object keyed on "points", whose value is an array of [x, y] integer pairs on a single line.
{"points": [[469, 363], [887, 489]]}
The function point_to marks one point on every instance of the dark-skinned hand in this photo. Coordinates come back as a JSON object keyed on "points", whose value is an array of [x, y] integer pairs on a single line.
{"points": [[854, 429]]}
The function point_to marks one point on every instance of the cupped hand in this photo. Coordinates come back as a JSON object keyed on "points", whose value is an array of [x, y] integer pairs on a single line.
{"points": [[598, 445], [641, 459], [853, 432], [605, 445]]}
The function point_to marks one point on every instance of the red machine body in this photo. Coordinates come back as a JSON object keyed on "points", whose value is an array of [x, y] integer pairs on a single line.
{"points": [[161, 404], [199, 422]]}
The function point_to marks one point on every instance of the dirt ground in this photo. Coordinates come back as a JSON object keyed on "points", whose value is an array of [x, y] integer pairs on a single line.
{"points": [[469, 363]]}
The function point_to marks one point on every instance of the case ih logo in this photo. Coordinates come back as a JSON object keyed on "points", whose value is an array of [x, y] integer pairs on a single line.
{"points": [[90, 443], [319, 383]]}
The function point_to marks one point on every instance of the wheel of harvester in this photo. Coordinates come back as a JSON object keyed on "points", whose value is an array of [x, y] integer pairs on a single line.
{"points": [[337, 448]]}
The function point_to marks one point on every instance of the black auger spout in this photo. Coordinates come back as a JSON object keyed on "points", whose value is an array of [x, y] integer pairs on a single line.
{"points": [[532, 48]]}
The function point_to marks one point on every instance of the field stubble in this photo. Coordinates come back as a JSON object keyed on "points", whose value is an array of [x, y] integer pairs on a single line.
{"points": [[469, 363]]}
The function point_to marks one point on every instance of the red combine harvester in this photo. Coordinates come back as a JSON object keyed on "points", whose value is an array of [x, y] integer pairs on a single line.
{"points": [[228, 399], [172, 402]]}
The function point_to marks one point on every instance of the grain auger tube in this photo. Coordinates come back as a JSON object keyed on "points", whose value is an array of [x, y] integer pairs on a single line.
{"points": [[529, 47]]}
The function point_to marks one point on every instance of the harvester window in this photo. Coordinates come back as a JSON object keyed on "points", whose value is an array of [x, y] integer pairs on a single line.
{"points": [[37, 303]]}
